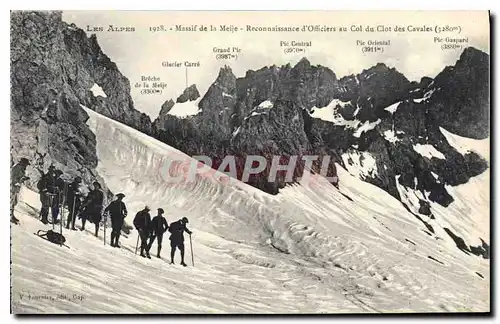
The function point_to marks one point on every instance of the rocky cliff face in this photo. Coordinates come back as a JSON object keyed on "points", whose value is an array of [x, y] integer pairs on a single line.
{"points": [[55, 68], [459, 95]]}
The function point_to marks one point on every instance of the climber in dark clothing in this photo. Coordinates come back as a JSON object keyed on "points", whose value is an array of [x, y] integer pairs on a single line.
{"points": [[47, 180], [51, 194], [118, 211], [73, 201], [93, 207], [142, 223], [17, 177], [158, 226], [177, 238], [58, 195]]}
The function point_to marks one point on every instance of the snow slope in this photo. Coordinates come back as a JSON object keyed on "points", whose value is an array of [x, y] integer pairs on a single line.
{"points": [[464, 145], [310, 249]]}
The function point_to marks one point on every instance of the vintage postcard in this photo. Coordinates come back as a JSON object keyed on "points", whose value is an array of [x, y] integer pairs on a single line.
{"points": [[232, 162]]}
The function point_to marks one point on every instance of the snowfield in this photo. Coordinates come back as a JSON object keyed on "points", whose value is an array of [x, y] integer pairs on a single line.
{"points": [[464, 145], [185, 109], [309, 249], [428, 151]]}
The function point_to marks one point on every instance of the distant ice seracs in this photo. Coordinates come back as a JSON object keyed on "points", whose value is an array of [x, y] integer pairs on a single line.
{"points": [[97, 91]]}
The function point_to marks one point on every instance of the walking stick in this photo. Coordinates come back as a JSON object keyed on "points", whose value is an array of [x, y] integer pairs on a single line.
{"points": [[191, 246], [62, 214], [65, 190], [73, 216], [137, 244], [105, 219]]}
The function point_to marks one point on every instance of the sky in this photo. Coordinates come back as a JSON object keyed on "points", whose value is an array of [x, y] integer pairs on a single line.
{"points": [[141, 52]]}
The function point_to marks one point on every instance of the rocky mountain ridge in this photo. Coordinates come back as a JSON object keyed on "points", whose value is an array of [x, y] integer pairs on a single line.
{"points": [[376, 124], [377, 112]]}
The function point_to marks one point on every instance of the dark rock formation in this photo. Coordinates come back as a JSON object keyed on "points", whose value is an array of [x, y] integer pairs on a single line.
{"points": [[190, 93], [165, 108], [54, 67], [267, 112], [47, 122], [460, 95]]}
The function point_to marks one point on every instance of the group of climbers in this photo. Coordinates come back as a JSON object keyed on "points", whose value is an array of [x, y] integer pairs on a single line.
{"points": [[153, 229], [55, 194]]}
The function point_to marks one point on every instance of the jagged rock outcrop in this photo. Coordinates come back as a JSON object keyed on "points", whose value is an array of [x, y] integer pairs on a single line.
{"points": [[165, 108], [56, 68], [237, 117], [190, 93], [379, 114], [47, 123], [89, 66], [159, 122], [374, 89]]}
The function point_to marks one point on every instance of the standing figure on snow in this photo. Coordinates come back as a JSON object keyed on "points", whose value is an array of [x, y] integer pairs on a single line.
{"points": [[73, 201], [51, 187], [57, 191], [177, 238], [118, 211], [159, 226], [47, 180], [93, 207], [17, 177], [142, 222]]}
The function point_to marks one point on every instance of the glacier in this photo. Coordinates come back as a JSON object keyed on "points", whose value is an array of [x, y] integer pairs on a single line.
{"points": [[309, 249]]}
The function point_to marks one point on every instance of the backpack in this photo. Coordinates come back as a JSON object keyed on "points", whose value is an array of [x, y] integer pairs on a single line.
{"points": [[53, 237], [174, 227]]}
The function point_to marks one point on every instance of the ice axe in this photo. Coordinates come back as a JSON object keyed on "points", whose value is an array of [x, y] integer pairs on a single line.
{"points": [[191, 246]]}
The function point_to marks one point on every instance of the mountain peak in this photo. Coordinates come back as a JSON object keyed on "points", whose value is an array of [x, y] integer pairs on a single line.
{"points": [[226, 78], [190, 93], [225, 71], [303, 63], [472, 55]]}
